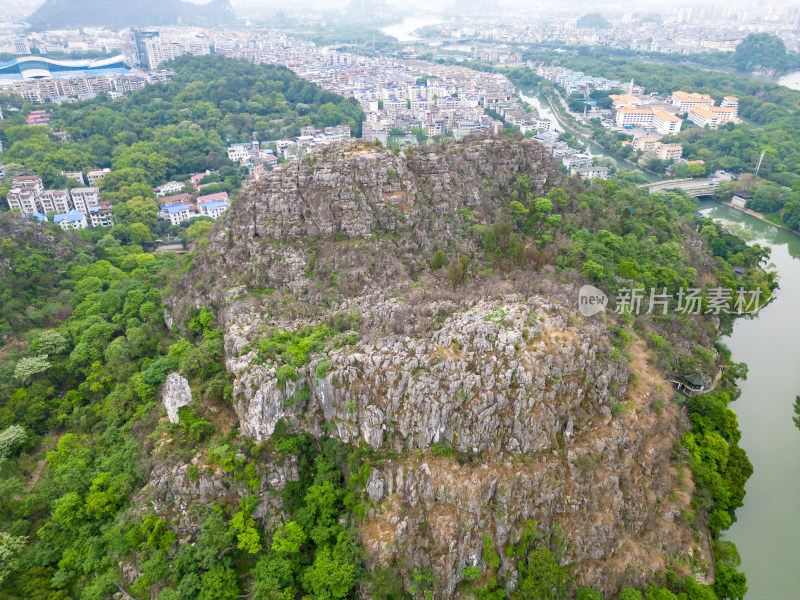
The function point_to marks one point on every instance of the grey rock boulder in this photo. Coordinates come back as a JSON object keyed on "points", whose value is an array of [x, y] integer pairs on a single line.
{"points": [[176, 393]]}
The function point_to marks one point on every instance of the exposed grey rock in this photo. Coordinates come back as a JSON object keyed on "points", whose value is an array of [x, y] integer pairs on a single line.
{"points": [[176, 393], [505, 373]]}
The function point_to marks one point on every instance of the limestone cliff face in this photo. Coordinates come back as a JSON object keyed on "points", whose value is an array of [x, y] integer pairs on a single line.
{"points": [[538, 405], [495, 377]]}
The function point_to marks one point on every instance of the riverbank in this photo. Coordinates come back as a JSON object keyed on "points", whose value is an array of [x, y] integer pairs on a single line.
{"points": [[766, 528], [582, 136], [759, 216]]}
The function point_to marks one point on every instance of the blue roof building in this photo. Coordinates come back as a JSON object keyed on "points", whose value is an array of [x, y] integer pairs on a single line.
{"points": [[40, 67], [176, 213], [74, 219]]}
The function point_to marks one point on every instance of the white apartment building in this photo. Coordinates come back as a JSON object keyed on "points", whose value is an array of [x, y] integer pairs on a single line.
{"points": [[731, 102], [634, 117], [175, 213], [713, 116], [589, 173], [684, 100], [645, 144], [22, 199], [666, 123], [649, 118], [239, 152], [171, 187], [29, 182], [669, 151], [96, 175], [213, 209], [100, 216], [84, 198], [57, 201], [76, 175]]}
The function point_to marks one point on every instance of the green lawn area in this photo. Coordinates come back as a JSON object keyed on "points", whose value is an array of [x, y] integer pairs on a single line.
{"points": [[775, 219]]}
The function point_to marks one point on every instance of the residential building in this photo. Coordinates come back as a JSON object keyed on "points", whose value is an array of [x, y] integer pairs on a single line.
{"points": [[96, 175], [74, 219], [100, 215], [29, 182], [669, 151], [684, 100], [23, 199], [176, 199], [57, 201], [620, 100], [634, 117], [38, 117], [85, 197], [213, 209], [171, 187], [577, 161], [666, 123], [216, 197], [731, 102], [645, 144], [75, 175], [176, 213], [589, 173], [240, 152], [198, 177], [656, 118], [713, 116]]}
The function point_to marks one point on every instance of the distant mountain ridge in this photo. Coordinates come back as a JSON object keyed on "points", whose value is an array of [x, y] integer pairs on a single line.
{"points": [[112, 13]]}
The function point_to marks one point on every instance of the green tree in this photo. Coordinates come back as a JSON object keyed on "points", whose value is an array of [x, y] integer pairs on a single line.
{"points": [[11, 438], [138, 233], [137, 210], [219, 583], [796, 417], [11, 546], [31, 366], [730, 584], [330, 577]]}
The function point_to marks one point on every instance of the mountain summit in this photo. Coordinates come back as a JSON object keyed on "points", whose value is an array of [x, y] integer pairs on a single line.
{"points": [[111, 13]]}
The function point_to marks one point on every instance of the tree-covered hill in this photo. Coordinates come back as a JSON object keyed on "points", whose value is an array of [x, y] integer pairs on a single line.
{"points": [[763, 51], [102, 497], [112, 13], [593, 20]]}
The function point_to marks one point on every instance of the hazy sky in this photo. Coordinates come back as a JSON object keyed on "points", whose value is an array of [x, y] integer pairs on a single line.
{"points": [[20, 8]]}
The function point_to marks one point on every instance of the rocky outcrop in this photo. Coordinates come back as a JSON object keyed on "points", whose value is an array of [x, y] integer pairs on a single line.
{"points": [[497, 402], [176, 393], [365, 216], [498, 376]]}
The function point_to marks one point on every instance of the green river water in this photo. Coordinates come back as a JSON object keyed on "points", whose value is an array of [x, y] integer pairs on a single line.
{"points": [[767, 527]]}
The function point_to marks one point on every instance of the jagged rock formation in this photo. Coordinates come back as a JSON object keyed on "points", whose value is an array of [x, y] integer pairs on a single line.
{"points": [[532, 398], [176, 393]]}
